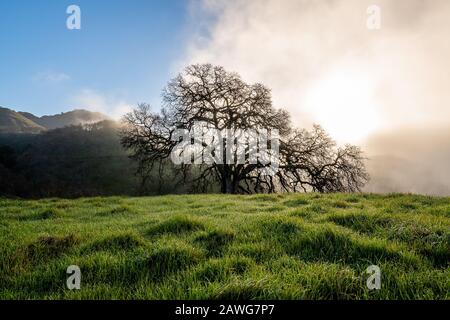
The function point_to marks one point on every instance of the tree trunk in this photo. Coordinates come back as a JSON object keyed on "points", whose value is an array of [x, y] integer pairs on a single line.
{"points": [[228, 185]]}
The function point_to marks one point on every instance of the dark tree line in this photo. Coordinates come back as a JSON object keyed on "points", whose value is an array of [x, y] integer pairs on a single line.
{"points": [[307, 160], [69, 162]]}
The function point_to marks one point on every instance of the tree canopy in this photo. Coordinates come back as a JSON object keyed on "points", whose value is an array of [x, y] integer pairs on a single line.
{"points": [[222, 102]]}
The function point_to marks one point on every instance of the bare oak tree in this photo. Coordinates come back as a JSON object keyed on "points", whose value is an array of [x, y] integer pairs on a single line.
{"points": [[308, 160]]}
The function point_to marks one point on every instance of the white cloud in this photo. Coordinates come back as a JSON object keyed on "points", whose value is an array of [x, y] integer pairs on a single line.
{"points": [[94, 101], [325, 66], [296, 46]]}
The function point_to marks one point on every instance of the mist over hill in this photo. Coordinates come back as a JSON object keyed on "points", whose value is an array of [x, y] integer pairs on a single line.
{"points": [[12, 121]]}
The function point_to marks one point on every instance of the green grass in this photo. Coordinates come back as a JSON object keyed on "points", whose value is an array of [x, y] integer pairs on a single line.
{"points": [[307, 246]]}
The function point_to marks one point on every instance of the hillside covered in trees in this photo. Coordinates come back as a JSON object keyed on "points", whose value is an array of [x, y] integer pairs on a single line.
{"points": [[84, 160]]}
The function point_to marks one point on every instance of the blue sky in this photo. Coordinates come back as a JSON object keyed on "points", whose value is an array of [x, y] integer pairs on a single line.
{"points": [[123, 54]]}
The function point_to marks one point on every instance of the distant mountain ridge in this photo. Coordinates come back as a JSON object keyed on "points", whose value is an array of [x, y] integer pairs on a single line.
{"points": [[24, 122]]}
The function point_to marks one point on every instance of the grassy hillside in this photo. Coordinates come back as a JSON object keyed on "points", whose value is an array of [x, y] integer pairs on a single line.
{"points": [[24, 122], [212, 246], [14, 122]]}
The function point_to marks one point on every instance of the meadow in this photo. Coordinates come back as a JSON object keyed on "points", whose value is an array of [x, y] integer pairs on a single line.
{"points": [[288, 246]]}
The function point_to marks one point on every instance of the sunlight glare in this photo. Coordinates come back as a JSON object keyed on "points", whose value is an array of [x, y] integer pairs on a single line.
{"points": [[343, 104]]}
